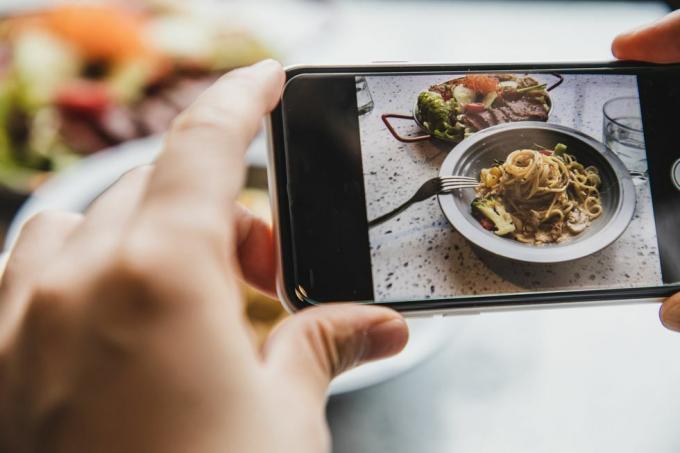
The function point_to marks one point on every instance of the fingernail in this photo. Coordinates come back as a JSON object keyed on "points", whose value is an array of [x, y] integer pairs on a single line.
{"points": [[385, 339]]}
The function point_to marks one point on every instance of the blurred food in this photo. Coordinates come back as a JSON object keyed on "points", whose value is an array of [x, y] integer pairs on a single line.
{"points": [[77, 78], [262, 311]]}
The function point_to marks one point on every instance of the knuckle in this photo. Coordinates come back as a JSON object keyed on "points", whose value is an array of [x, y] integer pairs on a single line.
{"points": [[43, 219], [137, 258], [48, 299], [45, 224], [146, 258], [319, 335]]}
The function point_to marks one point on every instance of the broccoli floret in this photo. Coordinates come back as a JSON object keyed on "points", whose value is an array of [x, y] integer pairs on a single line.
{"points": [[435, 114], [560, 149], [494, 210]]}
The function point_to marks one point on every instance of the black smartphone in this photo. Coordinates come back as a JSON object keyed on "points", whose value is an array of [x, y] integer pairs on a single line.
{"points": [[462, 188]]}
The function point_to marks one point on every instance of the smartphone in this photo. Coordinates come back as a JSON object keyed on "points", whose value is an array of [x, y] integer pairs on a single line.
{"points": [[465, 188]]}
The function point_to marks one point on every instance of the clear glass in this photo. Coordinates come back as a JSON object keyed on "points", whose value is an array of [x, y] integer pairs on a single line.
{"points": [[622, 133], [364, 98]]}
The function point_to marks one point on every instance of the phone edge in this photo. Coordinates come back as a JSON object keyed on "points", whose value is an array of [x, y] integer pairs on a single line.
{"points": [[294, 70]]}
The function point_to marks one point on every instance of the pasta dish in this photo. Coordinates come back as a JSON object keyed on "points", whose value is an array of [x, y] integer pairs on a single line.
{"points": [[538, 196]]}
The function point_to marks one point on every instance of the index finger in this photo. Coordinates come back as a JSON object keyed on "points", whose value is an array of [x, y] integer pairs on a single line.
{"points": [[201, 169]]}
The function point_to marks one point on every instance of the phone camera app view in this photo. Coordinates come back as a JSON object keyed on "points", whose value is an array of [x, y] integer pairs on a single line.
{"points": [[493, 183]]}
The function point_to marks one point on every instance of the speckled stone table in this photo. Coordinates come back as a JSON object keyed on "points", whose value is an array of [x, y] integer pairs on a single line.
{"points": [[419, 255]]}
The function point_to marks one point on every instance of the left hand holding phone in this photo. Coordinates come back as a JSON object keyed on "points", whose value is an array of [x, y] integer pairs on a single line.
{"points": [[123, 329]]}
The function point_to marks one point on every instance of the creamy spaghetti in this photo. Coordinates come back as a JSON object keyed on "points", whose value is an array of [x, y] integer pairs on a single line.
{"points": [[546, 195]]}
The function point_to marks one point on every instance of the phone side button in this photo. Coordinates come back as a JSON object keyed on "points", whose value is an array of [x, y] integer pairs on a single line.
{"points": [[675, 174]]}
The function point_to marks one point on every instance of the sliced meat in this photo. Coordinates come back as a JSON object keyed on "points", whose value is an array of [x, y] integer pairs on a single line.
{"points": [[499, 116], [507, 111], [488, 117], [475, 121], [528, 108], [485, 118]]}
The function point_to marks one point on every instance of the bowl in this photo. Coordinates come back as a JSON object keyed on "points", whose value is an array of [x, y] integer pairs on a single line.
{"points": [[495, 143]]}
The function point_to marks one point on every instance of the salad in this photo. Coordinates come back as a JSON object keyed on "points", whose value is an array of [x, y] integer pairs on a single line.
{"points": [[78, 78]]}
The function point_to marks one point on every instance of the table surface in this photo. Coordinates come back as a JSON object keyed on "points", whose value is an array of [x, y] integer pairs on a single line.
{"points": [[586, 380], [561, 381]]}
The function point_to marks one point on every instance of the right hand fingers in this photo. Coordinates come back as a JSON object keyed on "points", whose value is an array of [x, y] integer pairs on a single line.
{"points": [[658, 42], [670, 312]]}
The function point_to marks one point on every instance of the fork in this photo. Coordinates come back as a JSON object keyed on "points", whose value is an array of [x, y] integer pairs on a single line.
{"points": [[434, 186]]}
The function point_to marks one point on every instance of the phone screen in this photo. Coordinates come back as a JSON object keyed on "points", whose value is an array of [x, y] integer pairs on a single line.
{"points": [[520, 182]]}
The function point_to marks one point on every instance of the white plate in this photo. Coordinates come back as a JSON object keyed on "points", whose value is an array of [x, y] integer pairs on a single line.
{"points": [[75, 188]]}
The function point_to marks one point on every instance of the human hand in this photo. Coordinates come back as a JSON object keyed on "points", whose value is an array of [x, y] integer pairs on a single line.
{"points": [[657, 43], [123, 330]]}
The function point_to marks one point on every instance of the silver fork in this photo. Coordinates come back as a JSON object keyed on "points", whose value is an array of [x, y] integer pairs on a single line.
{"points": [[432, 187]]}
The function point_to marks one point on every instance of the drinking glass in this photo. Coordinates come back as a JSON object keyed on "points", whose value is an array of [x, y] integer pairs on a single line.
{"points": [[622, 133], [364, 98]]}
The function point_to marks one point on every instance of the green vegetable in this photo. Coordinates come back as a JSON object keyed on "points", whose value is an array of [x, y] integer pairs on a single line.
{"points": [[435, 114], [532, 88], [494, 210], [559, 149]]}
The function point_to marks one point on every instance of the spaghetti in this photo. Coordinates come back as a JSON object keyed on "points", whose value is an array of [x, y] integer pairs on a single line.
{"points": [[547, 195]]}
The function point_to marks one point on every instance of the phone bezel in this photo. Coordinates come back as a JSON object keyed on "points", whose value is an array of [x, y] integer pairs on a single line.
{"points": [[460, 305]]}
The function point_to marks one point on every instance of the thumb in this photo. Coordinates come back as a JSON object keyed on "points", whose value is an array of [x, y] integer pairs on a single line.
{"points": [[670, 312], [658, 42], [319, 343]]}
